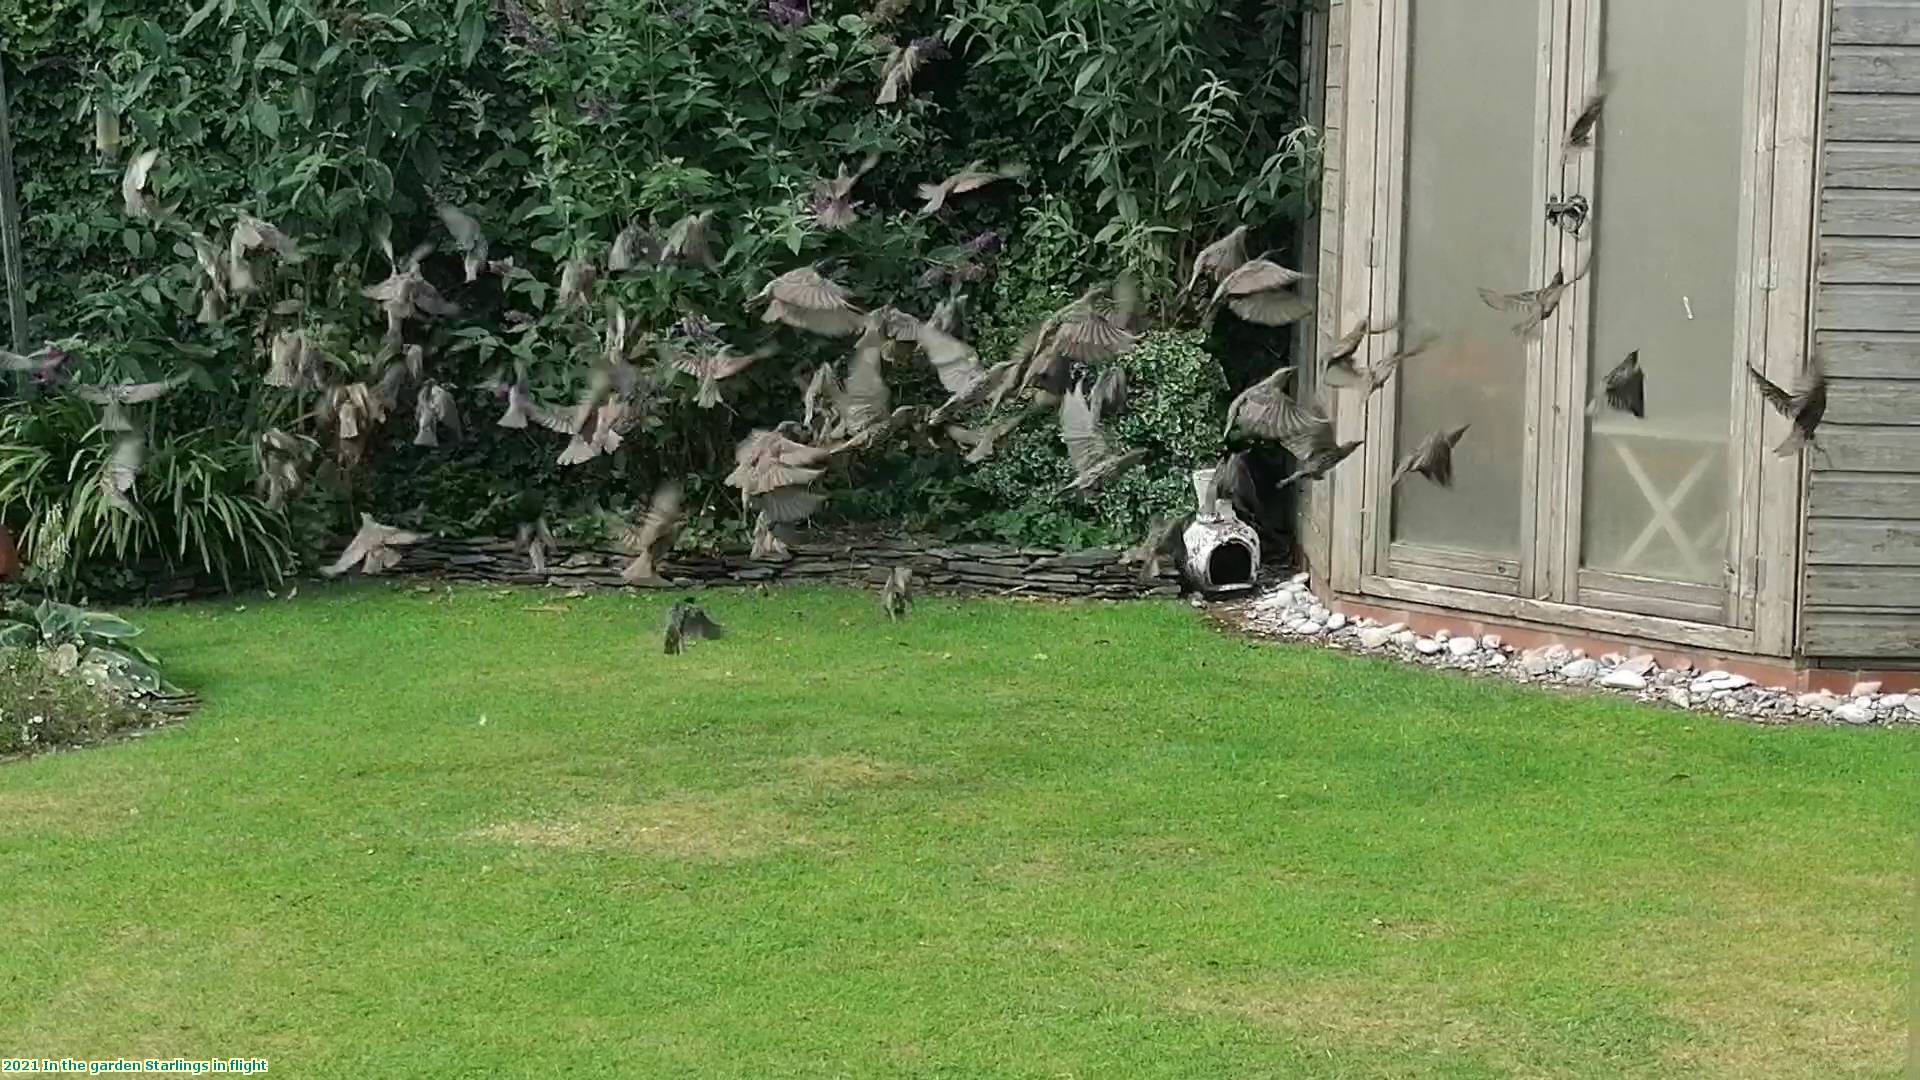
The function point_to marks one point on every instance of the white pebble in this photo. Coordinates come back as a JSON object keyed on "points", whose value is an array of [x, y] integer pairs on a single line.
{"points": [[1405, 639], [1679, 698], [1492, 641], [1913, 704], [1734, 682], [1894, 701], [1854, 714], [1301, 578], [1426, 646], [1864, 689], [1495, 659], [1622, 679], [1462, 646], [1374, 637], [1580, 667], [1819, 699], [1312, 629], [1394, 628], [1442, 635], [1337, 622]]}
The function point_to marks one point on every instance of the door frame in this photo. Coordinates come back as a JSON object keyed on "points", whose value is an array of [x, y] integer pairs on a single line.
{"points": [[1788, 42]]}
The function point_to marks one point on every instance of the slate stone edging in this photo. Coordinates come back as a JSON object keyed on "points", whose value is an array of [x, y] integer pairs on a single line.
{"points": [[940, 568]]}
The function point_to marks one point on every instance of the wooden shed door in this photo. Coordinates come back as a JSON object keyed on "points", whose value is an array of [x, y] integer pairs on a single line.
{"points": [[1554, 499]]}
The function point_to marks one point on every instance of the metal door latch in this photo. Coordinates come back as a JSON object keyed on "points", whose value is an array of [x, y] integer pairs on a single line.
{"points": [[1570, 214]]}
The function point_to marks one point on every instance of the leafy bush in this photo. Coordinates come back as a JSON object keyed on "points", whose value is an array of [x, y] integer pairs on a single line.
{"points": [[43, 707], [99, 647], [195, 507], [558, 126], [1174, 411]]}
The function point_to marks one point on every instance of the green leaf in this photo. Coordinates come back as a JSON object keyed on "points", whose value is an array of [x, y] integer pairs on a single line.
{"points": [[107, 627], [19, 635], [198, 17], [263, 12], [131, 238], [1088, 73], [266, 118]]}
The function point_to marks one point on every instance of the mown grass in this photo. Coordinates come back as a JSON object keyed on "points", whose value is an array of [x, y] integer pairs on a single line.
{"points": [[494, 834]]}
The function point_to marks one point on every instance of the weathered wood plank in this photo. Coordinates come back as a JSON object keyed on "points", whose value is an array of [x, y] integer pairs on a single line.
{"points": [[1893, 402], [1873, 117], [1864, 586], [1869, 23], [1868, 449], [1857, 634], [1868, 307], [1874, 69], [1870, 260], [1870, 356], [1862, 543], [1878, 496], [1873, 165], [1871, 213]]}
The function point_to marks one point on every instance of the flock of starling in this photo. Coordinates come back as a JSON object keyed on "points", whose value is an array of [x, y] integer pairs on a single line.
{"points": [[1064, 366]]}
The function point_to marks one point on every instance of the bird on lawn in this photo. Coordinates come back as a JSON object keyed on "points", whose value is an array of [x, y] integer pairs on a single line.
{"points": [[896, 596], [688, 621]]}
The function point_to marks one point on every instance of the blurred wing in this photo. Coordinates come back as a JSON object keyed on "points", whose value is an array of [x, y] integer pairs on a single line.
{"points": [[1258, 276], [955, 361], [806, 289], [787, 504], [1080, 430]]}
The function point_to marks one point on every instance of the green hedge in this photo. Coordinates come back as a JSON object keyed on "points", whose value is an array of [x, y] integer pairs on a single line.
{"points": [[1146, 124]]}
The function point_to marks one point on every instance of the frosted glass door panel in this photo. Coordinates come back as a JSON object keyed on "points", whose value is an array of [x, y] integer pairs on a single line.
{"points": [[1666, 241], [1471, 216]]}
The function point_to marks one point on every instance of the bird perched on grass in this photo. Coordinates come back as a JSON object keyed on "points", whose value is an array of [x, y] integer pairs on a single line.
{"points": [[896, 596], [688, 621], [375, 548], [1433, 458], [1806, 406]]}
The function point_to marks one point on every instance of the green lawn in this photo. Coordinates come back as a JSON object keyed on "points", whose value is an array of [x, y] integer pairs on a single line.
{"points": [[495, 834]]}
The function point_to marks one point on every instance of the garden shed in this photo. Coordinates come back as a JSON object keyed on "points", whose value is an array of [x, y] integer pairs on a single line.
{"points": [[1750, 197]]}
